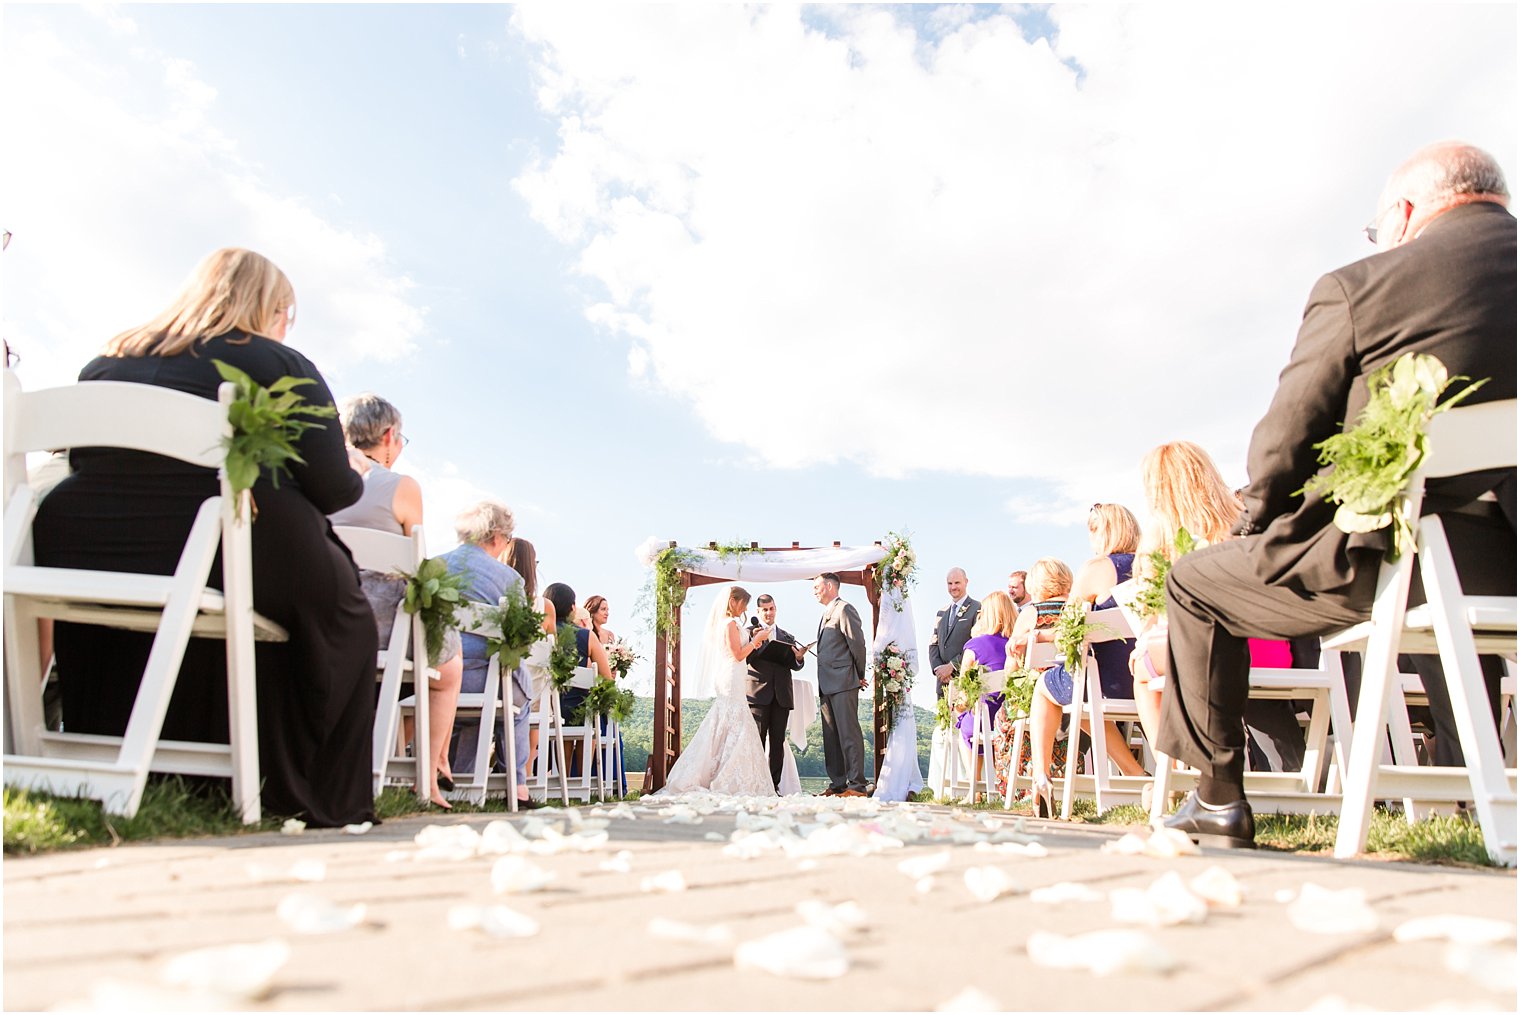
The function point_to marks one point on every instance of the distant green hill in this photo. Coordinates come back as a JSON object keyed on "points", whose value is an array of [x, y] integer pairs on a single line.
{"points": [[638, 735]]}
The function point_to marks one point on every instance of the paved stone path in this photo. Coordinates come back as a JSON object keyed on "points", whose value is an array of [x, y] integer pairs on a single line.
{"points": [[96, 927]]}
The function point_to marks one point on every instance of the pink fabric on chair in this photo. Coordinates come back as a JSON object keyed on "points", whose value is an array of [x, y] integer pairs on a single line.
{"points": [[1271, 655]]}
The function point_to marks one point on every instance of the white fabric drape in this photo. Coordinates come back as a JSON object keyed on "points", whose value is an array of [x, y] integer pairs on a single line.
{"points": [[900, 775], [776, 566]]}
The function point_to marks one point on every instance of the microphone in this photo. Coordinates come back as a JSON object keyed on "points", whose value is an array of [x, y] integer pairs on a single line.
{"points": [[754, 623]]}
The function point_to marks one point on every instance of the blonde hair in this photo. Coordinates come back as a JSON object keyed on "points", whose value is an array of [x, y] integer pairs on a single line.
{"points": [[231, 290], [1115, 528], [997, 615], [1049, 579], [738, 594], [1186, 491]]}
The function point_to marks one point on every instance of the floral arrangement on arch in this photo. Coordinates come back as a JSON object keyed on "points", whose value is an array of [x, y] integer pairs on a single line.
{"points": [[621, 657], [898, 570], [893, 674]]}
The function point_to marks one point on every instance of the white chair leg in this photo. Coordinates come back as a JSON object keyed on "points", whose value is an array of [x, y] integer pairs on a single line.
{"points": [[242, 692], [1073, 741], [1161, 788]]}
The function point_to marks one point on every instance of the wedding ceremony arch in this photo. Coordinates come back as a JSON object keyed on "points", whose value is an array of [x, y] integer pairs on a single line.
{"points": [[679, 569]]}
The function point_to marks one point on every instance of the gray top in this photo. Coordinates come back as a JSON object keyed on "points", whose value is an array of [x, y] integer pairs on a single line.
{"points": [[373, 509]]}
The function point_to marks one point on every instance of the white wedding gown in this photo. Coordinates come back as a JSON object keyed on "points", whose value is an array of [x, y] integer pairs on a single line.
{"points": [[726, 754]]}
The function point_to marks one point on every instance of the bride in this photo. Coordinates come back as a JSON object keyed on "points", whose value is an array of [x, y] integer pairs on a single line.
{"points": [[726, 754]]}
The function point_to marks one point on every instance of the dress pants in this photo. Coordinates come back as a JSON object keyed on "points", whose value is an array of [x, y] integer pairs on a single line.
{"points": [[843, 743], [770, 720]]}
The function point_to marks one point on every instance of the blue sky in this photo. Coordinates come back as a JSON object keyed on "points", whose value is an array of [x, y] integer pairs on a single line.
{"points": [[711, 272]]}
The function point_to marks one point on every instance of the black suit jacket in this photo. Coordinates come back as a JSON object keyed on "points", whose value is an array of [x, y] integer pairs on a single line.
{"points": [[769, 670], [1450, 292]]}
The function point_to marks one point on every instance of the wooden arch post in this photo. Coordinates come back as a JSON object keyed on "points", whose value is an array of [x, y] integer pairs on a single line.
{"points": [[667, 671]]}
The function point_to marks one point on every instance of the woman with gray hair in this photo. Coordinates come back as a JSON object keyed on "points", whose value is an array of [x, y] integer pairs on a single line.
{"points": [[485, 539], [392, 502]]}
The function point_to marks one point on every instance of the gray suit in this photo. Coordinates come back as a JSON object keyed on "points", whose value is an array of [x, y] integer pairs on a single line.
{"points": [[952, 629], [841, 665]]}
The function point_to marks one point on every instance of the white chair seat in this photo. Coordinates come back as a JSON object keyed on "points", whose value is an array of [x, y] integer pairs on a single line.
{"points": [[1492, 619]]}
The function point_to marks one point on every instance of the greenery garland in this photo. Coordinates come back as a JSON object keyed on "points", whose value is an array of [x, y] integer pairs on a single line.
{"points": [[1072, 630], [434, 595], [898, 570], [564, 657], [735, 550], [604, 698], [1370, 463], [969, 685], [943, 717], [665, 594], [520, 627], [1150, 600], [264, 428], [1018, 691]]}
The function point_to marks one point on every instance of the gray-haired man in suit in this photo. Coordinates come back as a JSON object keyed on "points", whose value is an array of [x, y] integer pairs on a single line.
{"points": [[841, 677]]}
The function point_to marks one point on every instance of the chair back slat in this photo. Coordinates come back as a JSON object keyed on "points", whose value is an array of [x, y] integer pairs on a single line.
{"points": [[1471, 438], [116, 414], [374, 550]]}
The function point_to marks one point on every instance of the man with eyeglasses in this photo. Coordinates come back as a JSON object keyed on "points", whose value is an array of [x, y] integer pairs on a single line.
{"points": [[1442, 283]]}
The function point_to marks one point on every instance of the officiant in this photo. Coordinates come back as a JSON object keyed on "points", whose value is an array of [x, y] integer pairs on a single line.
{"points": [[769, 683]]}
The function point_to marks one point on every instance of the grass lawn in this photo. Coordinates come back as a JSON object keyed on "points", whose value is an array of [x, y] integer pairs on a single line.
{"points": [[174, 808]]}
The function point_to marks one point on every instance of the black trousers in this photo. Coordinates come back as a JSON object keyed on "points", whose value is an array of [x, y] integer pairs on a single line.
{"points": [[1215, 602], [770, 719]]}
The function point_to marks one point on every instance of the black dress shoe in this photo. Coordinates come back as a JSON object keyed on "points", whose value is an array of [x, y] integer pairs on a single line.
{"points": [[530, 804], [1228, 825]]}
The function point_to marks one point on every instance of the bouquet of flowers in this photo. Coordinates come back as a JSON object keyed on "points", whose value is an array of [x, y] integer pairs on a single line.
{"points": [[621, 657], [893, 674], [1372, 461], [434, 595], [521, 628], [898, 569], [943, 717]]}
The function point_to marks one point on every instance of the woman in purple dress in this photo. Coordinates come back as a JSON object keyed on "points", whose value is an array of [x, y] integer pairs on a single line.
{"points": [[988, 646]]}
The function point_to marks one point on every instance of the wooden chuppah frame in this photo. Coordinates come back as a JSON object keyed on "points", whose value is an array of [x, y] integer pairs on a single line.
{"points": [[666, 747]]}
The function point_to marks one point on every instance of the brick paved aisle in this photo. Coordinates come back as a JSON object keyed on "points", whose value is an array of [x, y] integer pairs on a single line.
{"points": [[100, 927]]}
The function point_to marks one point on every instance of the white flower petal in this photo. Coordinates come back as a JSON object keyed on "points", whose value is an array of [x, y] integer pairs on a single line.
{"points": [[128, 996], [840, 920], [293, 826], [1217, 887], [988, 883], [362, 828], [1033, 849], [622, 863], [501, 837], [690, 933], [495, 921], [1165, 903], [1065, 891], [1103, 952], [803, 953], [1487, 966], [1472, 930], [666, 881], [312, 914], [1322, 911], [518, 875], [922, 866], [970, 999], [924, 886], [240, 971]]}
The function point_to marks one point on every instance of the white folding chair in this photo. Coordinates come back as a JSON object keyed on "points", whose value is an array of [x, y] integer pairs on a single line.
{"points": [[961, 771], [1037, 656], [388, 552], [584, 736], [610, 758], [1307, 790], [482, 707], [550, 761], [1456, 626], [1088, 702], [174, 608]]}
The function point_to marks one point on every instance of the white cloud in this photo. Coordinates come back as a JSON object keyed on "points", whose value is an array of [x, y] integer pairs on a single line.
{"points": [[962, 228], [119, 175]]}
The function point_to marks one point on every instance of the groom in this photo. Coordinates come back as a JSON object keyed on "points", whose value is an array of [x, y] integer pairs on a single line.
{"points": [[841, 677], [769, 687]]}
